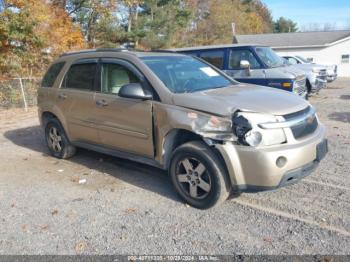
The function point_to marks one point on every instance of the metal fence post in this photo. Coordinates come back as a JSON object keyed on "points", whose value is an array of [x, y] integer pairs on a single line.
{"points": [[23, 95]]}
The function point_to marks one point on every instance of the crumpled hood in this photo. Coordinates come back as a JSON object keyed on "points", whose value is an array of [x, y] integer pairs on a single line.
{"points": [[245, 97]]}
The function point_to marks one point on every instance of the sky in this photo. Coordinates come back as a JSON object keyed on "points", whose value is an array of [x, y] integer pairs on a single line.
{"points": [[308, 12]]}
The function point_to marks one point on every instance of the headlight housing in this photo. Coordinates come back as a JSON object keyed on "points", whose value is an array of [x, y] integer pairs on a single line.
{"points": [[245, 127], [214, 127], [316, 70]]}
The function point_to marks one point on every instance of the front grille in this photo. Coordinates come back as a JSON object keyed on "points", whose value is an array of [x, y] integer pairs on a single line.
{"points": [[304, 129], [323, 74], [307, 127], [300, 86]]}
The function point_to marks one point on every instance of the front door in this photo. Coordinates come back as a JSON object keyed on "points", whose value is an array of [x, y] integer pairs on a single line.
{"points": [[124, 124]]}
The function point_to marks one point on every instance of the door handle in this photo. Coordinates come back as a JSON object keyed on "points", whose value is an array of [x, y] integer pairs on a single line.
{"points": [[101, 103], [62, 96]]}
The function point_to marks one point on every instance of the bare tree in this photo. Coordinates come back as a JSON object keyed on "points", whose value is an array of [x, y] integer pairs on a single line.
{"points": [[319, 27], [329, 26]]}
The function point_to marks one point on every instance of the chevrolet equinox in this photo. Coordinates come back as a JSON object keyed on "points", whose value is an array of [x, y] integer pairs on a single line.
{"points": [[181, 114]]}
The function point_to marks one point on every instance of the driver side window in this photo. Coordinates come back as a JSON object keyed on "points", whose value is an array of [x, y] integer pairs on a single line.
{"points": [[114, 76], [236, 56]]}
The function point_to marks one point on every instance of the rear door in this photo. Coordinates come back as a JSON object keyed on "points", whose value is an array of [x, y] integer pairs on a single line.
{"points": [[124, 124], [76, 100], [256, 74]]}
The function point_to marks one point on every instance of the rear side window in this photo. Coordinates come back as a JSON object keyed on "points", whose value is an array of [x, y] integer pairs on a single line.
{"points": [[51, 74], [215, 58], [81, 76]]}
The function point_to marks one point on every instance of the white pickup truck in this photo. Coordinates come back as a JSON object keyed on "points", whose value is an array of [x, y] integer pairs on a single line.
{"points": [[332, 70], [316, 75]]}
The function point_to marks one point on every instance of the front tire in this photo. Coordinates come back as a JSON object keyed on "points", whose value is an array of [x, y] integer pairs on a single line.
{"points": [[308, 87], [198, 175], [57, 140]]}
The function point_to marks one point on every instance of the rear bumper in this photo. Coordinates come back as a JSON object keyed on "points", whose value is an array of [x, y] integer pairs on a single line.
{"points": [[254, 169], [40, 114]]}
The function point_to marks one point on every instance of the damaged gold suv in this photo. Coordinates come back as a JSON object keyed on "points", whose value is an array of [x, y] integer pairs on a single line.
{"points": [[183, 115]]}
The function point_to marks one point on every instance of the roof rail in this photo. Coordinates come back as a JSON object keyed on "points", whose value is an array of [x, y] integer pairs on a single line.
{"points": [[84, 51], [77, 52], [113, 50]]}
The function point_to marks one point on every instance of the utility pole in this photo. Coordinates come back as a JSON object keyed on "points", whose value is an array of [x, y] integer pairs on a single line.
{"points": [[233, 25]]}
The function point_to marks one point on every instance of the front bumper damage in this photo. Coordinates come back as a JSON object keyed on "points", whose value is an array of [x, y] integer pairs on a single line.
{"points": [[255, 169]]}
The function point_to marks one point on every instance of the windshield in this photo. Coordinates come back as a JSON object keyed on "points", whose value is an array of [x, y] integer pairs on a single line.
{"points": [[269, 57], [303, 59], [181, 74]]}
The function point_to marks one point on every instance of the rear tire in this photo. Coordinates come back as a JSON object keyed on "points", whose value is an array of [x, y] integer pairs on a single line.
{"points": [[198, 175], [57, 140]]}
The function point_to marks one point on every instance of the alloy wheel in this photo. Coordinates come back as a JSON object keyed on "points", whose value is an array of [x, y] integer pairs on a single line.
{"points": [[55, 139], [193, 178]]}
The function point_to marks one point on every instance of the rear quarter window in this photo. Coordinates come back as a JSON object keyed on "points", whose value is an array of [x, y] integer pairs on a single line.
{"points": [[51, 74]]}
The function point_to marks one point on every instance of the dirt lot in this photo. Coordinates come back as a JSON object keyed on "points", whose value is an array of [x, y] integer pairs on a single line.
{"points": [[128, 208]]}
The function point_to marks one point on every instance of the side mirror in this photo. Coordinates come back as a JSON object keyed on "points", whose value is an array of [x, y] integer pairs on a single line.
{"points": [[244, 64], [135, 91]]}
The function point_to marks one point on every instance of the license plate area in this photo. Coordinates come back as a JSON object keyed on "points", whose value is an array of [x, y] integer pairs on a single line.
{"points": [[321, 150]]}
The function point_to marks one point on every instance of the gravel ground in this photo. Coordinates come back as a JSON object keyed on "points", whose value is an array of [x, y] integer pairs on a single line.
{"points": [[129, 208]]}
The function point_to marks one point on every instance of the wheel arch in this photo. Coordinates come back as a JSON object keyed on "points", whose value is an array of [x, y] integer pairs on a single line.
{"points": [[177, 137], [173, 139], [47, 115]]}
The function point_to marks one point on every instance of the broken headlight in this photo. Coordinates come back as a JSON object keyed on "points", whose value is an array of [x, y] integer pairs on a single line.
{"points": [[247, 131]]}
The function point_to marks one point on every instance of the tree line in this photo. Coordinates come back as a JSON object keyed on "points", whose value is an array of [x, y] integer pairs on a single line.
{"points": [[34, 32]]}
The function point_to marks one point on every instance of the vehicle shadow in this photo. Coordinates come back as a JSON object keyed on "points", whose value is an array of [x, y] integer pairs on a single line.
{"points": [[340, 116], [140, 175], [345, 97]]}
